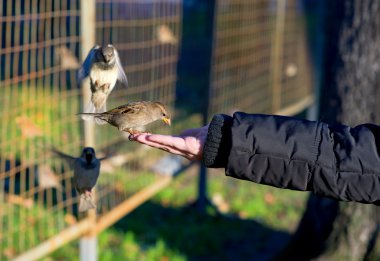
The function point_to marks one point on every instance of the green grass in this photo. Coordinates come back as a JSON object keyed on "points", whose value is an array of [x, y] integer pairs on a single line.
{"points": [[168, 227], [256, 220]]}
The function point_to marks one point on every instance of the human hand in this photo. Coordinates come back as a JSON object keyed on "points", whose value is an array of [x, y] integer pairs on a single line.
{"points": [[188, 144]]}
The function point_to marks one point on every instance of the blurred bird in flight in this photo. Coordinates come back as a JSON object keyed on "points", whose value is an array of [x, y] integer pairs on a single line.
{"points": [[86, 173]]}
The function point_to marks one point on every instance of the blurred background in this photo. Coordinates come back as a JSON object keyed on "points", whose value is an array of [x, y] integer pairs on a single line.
{"points": [[310, 59]]}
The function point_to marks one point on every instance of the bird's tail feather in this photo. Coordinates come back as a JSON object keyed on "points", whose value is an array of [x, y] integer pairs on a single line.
{"points": [[86, 203], [90, 111], [101, 110]]}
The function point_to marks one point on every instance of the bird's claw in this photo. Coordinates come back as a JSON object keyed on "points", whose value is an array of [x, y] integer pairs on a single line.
{"points": [[132, 132], [87, 195]]}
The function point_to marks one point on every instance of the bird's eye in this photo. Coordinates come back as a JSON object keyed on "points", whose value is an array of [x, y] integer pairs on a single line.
{"points": [[164, 114]]}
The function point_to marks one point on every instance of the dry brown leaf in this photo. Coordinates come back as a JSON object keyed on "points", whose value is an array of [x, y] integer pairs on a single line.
{"points": [[269, 198], [70, 219], [165, 35], [47, 178], [291, 70], [28, 128], [31, 220], [219, 202], [66, 58], [243, 214], [18, 200], [9, 252]]}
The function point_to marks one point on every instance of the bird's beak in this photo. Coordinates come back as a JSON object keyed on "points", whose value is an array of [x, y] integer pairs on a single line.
{"points": [[167, 120]]}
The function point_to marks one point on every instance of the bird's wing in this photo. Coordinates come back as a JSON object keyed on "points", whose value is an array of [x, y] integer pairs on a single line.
{"points": [[84, 71], [68, 158], [120, 71], [130, 108]]}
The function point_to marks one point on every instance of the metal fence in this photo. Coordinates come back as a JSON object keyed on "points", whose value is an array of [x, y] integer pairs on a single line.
{"points": [[41, 46], [259, 65], [260, 61]]}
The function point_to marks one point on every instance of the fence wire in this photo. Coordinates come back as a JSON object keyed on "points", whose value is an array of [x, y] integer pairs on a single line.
{"points": [[146, 34], [40, 97], [259, 62]]}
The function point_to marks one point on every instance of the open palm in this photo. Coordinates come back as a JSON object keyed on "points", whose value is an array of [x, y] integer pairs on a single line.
{"points": [[189, 144]]}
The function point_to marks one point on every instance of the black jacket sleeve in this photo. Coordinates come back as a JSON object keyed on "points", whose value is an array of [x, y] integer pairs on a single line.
{"points": [[335, 161]]}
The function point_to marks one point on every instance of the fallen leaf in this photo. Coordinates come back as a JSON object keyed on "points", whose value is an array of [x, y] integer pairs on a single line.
{"points": [[9, 252], [47, 178], [66, 59], [165, 35], [28, 128], [291, 70], [219, 202], [243, 214], [31, 220], [269, 198], [70, 219], [18, 200]]}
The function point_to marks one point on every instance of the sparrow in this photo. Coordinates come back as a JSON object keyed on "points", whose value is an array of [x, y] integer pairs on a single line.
{"points": [[86, 173], [133, 115], [103, 67]]}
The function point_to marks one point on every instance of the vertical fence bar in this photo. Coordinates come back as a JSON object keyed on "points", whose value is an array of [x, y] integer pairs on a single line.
{"points": [[88, 244], [277, 53], [202, 199]]}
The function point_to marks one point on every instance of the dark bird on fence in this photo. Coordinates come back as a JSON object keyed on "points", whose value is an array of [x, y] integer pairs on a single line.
{"points": [[86, 173], [103, 67], [130, 116]]}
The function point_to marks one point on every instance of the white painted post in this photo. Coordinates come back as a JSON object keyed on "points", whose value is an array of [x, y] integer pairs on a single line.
{"points": [[277, 52], [88, 243]]}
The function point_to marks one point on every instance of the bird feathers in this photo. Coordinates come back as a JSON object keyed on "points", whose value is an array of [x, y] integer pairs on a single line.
{"points": [[121, 74], [84, 71]]}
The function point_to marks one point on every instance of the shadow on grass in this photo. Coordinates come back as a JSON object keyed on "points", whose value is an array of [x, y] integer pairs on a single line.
{"points": [[202, 237]]}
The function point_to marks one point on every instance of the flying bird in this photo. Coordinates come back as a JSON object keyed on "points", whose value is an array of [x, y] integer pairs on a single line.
{"points": [[103, 67], [130, 116], [86, 173]]}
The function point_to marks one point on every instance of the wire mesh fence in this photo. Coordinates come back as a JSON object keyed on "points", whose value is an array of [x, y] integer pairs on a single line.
{"points": [[259, 65], [260, 60], [146, 34], [40, 97]]}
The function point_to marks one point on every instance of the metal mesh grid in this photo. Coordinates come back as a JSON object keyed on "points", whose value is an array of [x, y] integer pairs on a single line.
{"points": [[258, 62], [295, 70], [40, 46], [146, 36]]}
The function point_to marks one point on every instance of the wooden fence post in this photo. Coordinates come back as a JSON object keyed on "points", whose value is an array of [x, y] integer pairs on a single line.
{"points": [[88, 243]]}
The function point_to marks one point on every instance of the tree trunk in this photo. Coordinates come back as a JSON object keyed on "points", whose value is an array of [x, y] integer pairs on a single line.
{"points": [[331, 230]]}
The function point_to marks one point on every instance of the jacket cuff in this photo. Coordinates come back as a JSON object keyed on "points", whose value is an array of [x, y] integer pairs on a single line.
{"points": [[218, 142]]}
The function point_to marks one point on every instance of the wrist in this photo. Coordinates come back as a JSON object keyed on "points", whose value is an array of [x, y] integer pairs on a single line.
{"points": [[218, 142]]}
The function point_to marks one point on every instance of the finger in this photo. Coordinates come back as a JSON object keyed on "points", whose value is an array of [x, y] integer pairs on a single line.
{"points": [[161, 141], [176, 151], [175, 145], [167, 148]]}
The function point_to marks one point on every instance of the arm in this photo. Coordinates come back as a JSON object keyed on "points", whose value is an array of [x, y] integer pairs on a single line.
{"points": [[334, 161]]}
